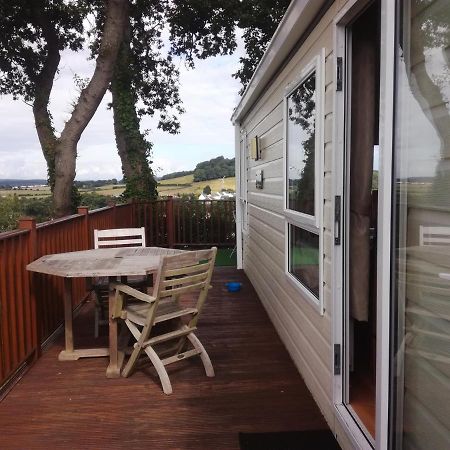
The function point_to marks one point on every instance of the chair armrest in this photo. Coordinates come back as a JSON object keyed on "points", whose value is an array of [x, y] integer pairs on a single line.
{"points": [[133, 292]]}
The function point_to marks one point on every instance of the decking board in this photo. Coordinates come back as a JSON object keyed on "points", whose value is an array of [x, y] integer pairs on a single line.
{"points": [[257, 388]]}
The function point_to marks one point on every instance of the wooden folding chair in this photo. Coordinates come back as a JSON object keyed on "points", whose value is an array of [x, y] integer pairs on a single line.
{"points": [[112, 238], [186, 273]]}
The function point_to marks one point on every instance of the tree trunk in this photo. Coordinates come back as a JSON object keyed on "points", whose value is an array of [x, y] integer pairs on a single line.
{"points": [[43, 83], [90, 98], [132, 146]]}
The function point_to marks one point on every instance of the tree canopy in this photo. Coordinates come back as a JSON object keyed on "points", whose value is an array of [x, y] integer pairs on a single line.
{"points": [[128, 47], [214, 168]]}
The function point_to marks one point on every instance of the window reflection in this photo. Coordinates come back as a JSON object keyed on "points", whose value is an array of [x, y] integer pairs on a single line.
{"points": [[422, 277], [304, 257], [300, 146]]}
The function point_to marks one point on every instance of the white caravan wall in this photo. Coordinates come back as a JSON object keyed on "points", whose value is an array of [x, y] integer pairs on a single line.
{"points": [[306, 334]]}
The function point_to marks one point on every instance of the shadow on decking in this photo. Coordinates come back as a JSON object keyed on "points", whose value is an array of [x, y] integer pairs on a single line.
{"points": [[257, 388]]}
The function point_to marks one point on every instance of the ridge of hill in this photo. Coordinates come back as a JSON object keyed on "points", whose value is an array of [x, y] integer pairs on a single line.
{"points": [[16, 182]]}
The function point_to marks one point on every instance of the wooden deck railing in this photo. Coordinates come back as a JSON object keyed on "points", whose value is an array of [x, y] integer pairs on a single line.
{"points": [[30, 314], [187, 223]]}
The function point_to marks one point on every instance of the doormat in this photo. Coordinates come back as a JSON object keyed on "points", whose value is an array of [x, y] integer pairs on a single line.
{"points": [[289, 440]]}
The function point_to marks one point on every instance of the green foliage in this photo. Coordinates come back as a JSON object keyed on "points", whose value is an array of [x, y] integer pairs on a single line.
{"points": [[134, 149], [39, 208], [375, 180], [258, 19], [214, 168], [183, 173], [9, 212], [12, 208], [207, 189], [28, 30], [34, 34], [89, 184], [204, 28], [94, 201]]}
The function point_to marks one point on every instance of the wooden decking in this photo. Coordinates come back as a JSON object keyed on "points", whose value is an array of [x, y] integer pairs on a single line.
{"points": [[72, 405]]}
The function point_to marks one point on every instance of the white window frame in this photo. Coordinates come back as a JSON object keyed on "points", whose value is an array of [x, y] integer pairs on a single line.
{"points": [[387, 65], [304, 221], [317, 66]]}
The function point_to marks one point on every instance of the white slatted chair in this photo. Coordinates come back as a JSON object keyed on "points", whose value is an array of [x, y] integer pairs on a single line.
{"points": [[119, 237], [158, 320], [112, 238], [434, 235]]}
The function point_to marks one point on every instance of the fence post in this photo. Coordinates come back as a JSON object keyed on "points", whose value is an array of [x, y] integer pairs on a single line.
{"points": [[84, 211], [170, 223], [28, 223]]}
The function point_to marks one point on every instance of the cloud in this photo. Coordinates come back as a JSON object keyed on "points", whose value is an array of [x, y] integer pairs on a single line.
{"points": [[209, 94]]}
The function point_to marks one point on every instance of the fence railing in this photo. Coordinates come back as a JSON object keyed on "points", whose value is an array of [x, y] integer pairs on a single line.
{"points": [[187, 223], [31, 308]]}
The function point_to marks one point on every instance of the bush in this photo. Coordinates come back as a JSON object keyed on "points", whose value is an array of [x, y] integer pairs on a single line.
{"points": [[9, 212], [13, 207], [94, 201]]}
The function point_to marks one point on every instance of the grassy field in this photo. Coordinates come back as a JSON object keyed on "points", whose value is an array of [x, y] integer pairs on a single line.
{"points": [[186, 185], [34, 192], [175, 186]]}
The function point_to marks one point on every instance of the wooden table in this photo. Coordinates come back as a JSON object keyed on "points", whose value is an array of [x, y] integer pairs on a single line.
{"points": [[106, 262]]}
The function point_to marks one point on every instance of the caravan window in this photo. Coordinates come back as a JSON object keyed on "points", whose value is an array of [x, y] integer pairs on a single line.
{"points": [[300, 146], [304, 258], [303, 180]]}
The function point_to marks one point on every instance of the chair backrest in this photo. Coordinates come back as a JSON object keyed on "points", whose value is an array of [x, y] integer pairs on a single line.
{"points": [[434, 235], [183, 273], [119, 237]]}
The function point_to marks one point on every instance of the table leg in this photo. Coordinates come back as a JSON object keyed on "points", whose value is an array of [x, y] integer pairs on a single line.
{"points": [[68, 353], [115, 356]]}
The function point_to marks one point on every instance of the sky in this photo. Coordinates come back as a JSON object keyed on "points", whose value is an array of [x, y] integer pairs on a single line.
{"points": [[209, 94]]}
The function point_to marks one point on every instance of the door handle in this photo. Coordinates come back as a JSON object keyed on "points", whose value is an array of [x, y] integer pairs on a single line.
{"points": [[337, 220]]}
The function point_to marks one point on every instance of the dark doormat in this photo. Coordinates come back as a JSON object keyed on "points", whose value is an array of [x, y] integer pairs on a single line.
{"points": [[289, 440]]}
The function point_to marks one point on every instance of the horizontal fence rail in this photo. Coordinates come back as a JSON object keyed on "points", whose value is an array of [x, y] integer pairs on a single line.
{"points": [[31, 306]]}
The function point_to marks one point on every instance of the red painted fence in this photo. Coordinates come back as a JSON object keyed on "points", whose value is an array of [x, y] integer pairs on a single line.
{"points": [[30, 314]]}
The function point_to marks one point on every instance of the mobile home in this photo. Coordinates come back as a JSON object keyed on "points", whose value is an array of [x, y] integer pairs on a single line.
{"points": [[343, 211]]}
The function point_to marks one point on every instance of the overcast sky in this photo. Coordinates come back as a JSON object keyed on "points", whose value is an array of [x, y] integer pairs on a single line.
{"points": [[209, 94]]}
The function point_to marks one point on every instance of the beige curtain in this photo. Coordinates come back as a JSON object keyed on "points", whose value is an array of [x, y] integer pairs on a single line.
{"points": [[364, 135]]}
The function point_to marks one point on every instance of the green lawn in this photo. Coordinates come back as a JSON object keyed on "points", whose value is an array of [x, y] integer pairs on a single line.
{"points": [[225, 257]]}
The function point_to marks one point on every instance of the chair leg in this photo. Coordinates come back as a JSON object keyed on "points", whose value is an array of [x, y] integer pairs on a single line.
{"points": [[203, 355], [131, 362], [160, 369]]}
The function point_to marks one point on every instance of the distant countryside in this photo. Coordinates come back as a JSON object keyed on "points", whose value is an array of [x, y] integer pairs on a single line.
{"points": [[210, 179], [175, 186]]}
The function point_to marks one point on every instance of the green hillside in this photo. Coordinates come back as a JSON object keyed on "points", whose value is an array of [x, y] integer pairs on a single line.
{"points": [[187, 185]]}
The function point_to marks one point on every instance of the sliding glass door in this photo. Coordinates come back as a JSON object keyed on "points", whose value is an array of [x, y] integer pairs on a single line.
{"points": [[420, 342]]}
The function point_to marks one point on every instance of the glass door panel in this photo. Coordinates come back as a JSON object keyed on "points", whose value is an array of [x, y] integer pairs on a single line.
{"points": [[420, 395]]}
